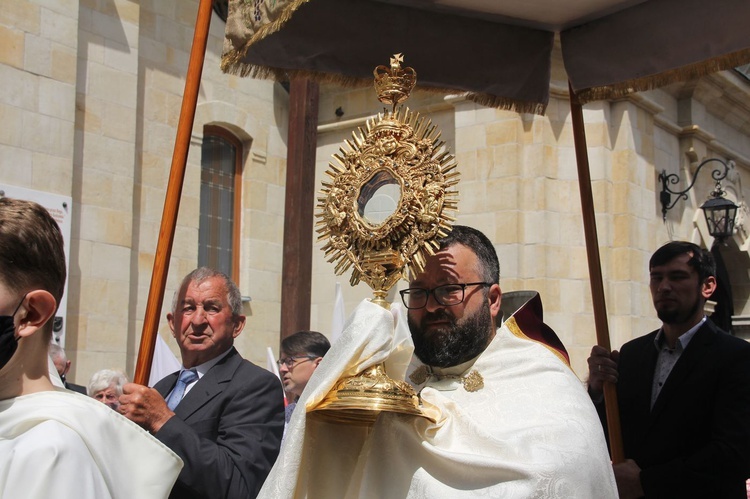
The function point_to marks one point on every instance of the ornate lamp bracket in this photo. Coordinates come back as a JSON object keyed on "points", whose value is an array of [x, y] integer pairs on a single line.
{"points": [[667, 203], [720, 212]]}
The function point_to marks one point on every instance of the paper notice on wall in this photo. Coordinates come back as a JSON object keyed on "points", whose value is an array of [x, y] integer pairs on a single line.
{"points": [[60, 207]]}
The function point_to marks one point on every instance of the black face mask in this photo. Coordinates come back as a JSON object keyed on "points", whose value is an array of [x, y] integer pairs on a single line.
{"points": [[8, 340]]}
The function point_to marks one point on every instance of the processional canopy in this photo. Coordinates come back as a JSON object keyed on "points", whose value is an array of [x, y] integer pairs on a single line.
{"points": [[390, 197]]}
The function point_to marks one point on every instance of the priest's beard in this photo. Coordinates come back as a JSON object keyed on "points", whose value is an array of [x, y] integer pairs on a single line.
{"points": [[452, 345]]}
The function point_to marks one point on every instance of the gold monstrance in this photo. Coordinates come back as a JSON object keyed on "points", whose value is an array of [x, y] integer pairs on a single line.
{"points": [[382, 213]]}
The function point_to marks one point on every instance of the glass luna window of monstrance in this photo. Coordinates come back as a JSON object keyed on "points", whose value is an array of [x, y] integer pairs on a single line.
{"points": [[378, 198]]}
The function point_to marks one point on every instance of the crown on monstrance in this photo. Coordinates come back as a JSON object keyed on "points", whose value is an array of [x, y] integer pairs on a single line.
{"points": [[394, 84]]}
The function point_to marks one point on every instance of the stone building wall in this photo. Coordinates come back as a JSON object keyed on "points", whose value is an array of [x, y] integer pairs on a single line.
{"points": [[38, 70], [92, 102]]}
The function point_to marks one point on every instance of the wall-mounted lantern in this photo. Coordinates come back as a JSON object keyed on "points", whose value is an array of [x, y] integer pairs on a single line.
{"points": [[719, 212]]}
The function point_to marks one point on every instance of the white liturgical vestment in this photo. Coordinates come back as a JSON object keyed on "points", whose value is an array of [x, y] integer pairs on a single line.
{"points": [[530, 431], [64, 444]]}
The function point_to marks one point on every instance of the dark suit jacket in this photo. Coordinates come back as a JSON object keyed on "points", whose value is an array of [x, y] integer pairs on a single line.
{"points": [[75, 388], [696, 440], [227, 430]]}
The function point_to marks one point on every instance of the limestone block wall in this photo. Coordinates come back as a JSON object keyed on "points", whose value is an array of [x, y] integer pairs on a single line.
{"points": [[92, 100], [38, 69], [104, 176], [38, 45]]}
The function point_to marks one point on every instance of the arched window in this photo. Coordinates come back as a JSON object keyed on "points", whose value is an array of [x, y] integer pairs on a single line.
{"points": [[221, 194]]}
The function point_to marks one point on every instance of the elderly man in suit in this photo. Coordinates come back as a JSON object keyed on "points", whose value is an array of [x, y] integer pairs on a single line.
{"points": [[222, 414], [683, 390]]}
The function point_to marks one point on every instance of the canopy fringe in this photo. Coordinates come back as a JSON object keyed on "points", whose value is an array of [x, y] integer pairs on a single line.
{"points": [[684, 73], [498, 102], [233, 56], [278, 74]]}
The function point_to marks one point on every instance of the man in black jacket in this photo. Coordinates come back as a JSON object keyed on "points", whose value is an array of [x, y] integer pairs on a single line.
{"points": [[683, 390]]}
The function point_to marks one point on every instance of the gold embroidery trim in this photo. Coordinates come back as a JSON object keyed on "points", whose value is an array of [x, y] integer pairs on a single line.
{"points": [[473, 381]]}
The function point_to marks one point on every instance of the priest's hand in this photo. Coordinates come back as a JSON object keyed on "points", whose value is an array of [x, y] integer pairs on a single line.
{"points": [[144, 406], [628, 477], [602, 368]]}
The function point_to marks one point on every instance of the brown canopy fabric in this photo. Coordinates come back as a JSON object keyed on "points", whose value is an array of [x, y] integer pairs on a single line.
{"points": [[499, 55], [653, 44]]}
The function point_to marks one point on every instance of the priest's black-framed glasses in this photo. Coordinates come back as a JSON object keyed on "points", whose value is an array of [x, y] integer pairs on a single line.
{"points": [[446, 295]]}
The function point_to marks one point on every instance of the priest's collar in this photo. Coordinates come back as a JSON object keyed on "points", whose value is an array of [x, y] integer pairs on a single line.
{"points": [[449, 378]]}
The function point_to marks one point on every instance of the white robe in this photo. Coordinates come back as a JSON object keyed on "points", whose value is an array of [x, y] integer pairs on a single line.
{"points": [[531, 431], [64, 444]]}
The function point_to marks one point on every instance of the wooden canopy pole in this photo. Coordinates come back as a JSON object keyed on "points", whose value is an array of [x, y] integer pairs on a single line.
{"points": [[617, 452], [174, 192], [296, 267]]}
